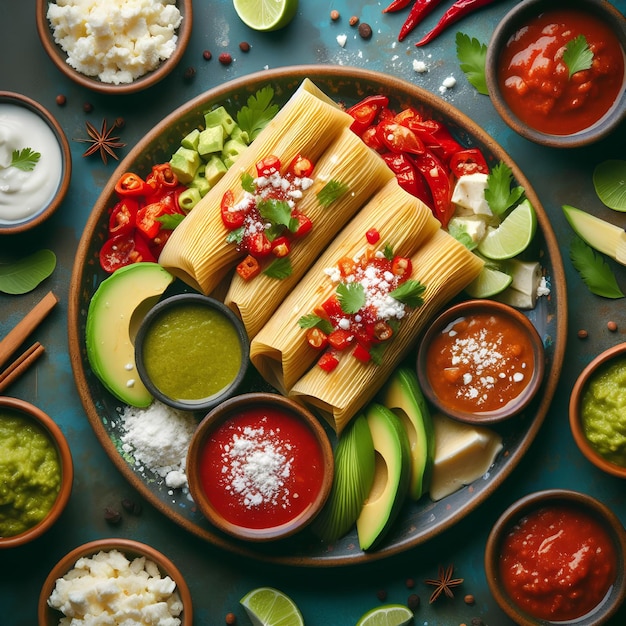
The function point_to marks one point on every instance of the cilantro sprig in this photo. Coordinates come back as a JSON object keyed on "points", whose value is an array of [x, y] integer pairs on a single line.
{"points": [[315, 321], [260, 109], [472, 55], [331, 191], [25, 159], [499, 194], [577, 55], [351, 297], [594, 270], [409, 292]]}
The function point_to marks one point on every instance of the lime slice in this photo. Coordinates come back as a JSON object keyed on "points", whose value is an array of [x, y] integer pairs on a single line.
{"points": [[266, 14], [488, 283], [387, 615], [266, 606], [512, 236]]}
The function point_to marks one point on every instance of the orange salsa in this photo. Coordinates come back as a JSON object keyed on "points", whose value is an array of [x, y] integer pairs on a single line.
{"points": [[480, 363], [535, 80]]}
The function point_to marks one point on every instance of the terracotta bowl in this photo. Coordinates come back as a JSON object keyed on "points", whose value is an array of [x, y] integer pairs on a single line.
{"points": [[31, 413], [59, 56], [48, 616], [581, 504], [581, 386], [40, 214], [465, 413], [239, 438], [514, 20], [237, 363]]}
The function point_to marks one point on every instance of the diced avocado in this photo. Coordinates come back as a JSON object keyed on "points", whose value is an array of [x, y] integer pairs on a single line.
{"points": [[200, 182], [220, 117], [211, 140], [214, 170], [185, 163], [191, 140], [391, 476], [189, 198], [402, 394], [240, 135], [352, 481], [115, 312], [232, 150]]}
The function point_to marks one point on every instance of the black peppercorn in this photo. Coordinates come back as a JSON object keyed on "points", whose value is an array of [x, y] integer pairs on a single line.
{"points": [[112, 516], [132, 507]]}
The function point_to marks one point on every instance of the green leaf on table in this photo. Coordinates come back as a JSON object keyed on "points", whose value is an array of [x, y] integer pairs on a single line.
{"points": [[22, 276], [577, 55], [260, 109], [609, 180], [594, 270], [472, 55], [499, 194], [25, 159]]}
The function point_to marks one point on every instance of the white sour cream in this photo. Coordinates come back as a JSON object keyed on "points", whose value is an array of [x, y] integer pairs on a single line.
{"points": [[24, 195]]}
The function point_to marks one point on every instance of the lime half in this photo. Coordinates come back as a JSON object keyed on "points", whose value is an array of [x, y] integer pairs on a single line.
{"points": [[266, 14], [387, 615], [266, 606], [488, 283], [512, 236]]}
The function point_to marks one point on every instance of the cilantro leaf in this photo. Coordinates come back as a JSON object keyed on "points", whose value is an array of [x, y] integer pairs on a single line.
{"points": [[254, 117], [376, 352], [25, 159], [330, 192], [498, 193], [594, 270], [409, 293], [279, 268], [247, 182], [388, 252], [351, 297], [170, 221], [315, 321], [275, 211], [235, 236], [577, 55], [472, 55]]}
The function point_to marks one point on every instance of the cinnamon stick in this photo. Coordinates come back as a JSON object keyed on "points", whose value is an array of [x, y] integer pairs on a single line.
{"points": [[20, 365]]}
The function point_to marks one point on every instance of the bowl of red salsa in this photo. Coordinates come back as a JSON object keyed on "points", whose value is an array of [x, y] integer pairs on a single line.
{"points": [[260, 467], [481, 362], [555, 70], [557, 556]]}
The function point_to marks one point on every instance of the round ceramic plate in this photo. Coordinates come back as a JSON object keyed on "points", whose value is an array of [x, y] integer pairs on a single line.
{"points": [[420, 521]]}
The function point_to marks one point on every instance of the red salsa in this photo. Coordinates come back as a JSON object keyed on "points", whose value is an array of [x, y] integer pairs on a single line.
{"points": [[262, 468], [535, 79], [480, 363], [558, 563]]}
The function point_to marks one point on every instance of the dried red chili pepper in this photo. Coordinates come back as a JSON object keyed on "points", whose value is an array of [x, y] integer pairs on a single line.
{"points": [[459, 9], [418, 12], [397, 5]]}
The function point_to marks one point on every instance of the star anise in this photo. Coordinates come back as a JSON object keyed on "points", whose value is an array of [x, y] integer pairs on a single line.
{"points": [[444, 583], [102, 141]]}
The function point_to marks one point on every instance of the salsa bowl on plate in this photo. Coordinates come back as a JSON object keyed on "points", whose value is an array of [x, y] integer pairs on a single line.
{"points": [[420, 521]]}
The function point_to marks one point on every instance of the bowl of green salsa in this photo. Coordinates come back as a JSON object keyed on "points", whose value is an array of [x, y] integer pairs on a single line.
{"points": [[36, 472], [597, 411], [192, 352]]}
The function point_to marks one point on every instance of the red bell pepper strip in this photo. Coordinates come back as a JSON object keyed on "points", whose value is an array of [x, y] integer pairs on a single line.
{"points": [[458, 10], [365, 111], [418, 12], [470, 161], [438, 179], [131, 185], [397, 5]]}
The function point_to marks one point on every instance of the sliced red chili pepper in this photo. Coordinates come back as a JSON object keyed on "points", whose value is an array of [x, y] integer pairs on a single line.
{"points": [[407, 115], [123, 250], [401, 266], [257, 244], [418, 12], [365, 112], [470, 161], [304, 224], [317, 338], [328, 361], [370, 138], [159, 241], [372, 236], [131, 185], [362, 353], [162, 177], [382, 331], [268, 166], [147, 221], [248, 268], [123, 216], [340, 339], [399, 138], [408, 176], [232, 219], [281, 247], [301, 166], [436, 137], [438, 179]]}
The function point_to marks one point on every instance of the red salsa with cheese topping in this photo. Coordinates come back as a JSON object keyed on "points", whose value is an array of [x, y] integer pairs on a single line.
{"points": [[558, 563], [480, 363], [534, 74], [262, 468]]}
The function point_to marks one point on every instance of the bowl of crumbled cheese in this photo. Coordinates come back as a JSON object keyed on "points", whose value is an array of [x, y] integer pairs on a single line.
{"points": [[115, 46], [122, 581]]}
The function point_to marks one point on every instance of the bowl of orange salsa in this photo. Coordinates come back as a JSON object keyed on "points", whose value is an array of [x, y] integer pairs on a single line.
{"points": [[555, 70], [481, 362]]}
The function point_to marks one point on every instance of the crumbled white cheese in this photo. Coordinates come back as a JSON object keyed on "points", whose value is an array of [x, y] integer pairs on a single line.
{"points": [[448, 83], [419, 66], [469, 193], [115, 40], [341, 40], [108, 588]]}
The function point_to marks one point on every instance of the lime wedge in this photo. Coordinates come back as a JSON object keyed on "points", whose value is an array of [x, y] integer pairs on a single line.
{"points": [[512, 236], [266, 606], [266, 14], [387, 615], [488, 283]]}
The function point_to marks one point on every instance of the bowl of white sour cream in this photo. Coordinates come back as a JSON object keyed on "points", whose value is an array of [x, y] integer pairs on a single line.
{"points": [[35, 163]]}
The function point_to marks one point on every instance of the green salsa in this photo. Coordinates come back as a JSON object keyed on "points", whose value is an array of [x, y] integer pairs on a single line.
{"points": [[192, 352], [603, 412], [30, 473]]}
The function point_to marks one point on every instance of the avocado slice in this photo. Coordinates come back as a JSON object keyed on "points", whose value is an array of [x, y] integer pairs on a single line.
{"points": [[404, 397], [115, 312], [391, 476]]}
